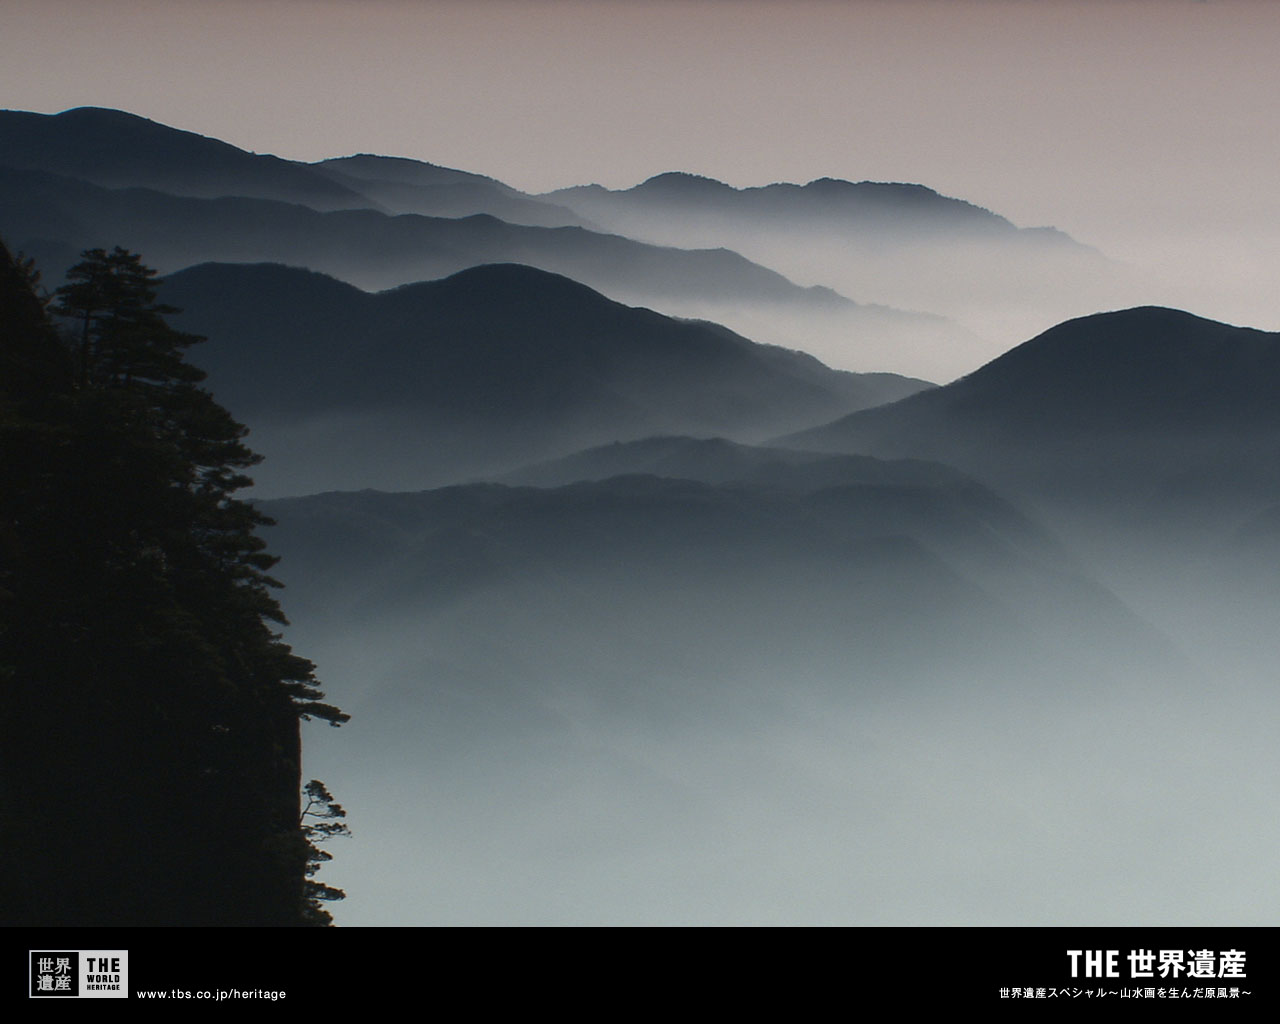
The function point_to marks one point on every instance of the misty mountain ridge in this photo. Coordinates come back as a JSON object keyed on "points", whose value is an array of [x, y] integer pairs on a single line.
{"points": [[717, 460], [402, 185], [1147, 368], [115, 149], [401, 170], [479, 372], [371, 249], [873, 334], [900, 244], [53, 218], [1148, 410], [823, 202], [861, 569]]}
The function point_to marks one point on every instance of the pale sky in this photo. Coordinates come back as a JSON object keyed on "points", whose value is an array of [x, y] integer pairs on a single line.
{"points": [[1118, 121]]}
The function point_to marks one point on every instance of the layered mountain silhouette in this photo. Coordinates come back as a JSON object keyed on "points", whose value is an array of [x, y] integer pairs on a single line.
{"points": [[666, 624], [676, 201], [115, 149], [53, 218], [400, 185], [478, 372], [890, 242], [716, 460], [927, 584], [906, 494], [1149, 410], [368, 248], [444, 226]]}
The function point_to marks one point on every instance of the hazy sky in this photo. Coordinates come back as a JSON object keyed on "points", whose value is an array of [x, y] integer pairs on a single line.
{"points": [[1024, 105], [1119, 121]]}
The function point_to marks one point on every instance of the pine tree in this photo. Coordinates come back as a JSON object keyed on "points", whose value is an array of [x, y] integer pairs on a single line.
{"points": [[327, 820], [156, 709]]}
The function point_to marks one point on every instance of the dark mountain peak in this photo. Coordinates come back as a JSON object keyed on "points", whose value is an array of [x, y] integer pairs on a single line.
{"points": [[1127, 318], [99, 126], [116, 149], [1128, 357], [500, 364], [1132, 346], [902, 195], [594, 189], [682, 183], [266, 278], [838, 186], [1136, 315], [400, 169], [505, 282], [98, 116], [1149, 371], [378, 161]]}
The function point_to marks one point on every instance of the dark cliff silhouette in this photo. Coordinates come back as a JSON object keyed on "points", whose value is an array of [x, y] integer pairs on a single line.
{"points": [[150, 770]]}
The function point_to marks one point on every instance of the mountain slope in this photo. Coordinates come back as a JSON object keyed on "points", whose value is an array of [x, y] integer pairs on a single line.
{"points": [[481, 371], [1147, 405], [371, 249], [115, 149], [901, 244], [829, 205], [400, 185], [54, 218], [925, 583], [449, 220], [717, 461]]}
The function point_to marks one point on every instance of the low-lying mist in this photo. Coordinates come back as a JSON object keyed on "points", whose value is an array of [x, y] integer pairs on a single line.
{"points": [[948, 800], [718, 705]]}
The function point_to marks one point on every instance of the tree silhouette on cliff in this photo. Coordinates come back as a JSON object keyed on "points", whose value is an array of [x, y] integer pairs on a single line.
{"points": [[150, 771]]}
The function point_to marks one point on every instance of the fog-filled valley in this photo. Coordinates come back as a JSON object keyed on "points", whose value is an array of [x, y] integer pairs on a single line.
{"points": [[810, 553], [656, 701]]}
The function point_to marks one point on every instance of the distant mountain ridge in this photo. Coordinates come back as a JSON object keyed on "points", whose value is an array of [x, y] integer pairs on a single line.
{"points": [[115, 149], [820, 198], [1147, 368], [1150, 404], [717, 460], [901, 244], [489, 368], [53, 217], [848, 555], [47, 216], [827, 204], [370, 248], [402, 185], [401, 170]]}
